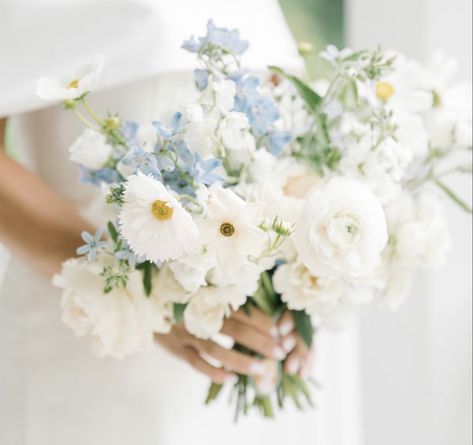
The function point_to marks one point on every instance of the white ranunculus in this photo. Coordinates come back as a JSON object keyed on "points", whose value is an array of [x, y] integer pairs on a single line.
{"points": [[301, 290], [342, 230], [83, 80], [91, 150], [154, 223], [191, 270], [120, 322], [205, 313], [219, 95]]}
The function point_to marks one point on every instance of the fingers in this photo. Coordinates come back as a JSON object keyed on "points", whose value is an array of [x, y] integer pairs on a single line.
{"points": [[285, 324], [217, 375], [231, 360], [258, 320], [299, 360], [253, 339]]}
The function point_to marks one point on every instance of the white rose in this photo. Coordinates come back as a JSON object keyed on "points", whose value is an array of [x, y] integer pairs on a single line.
{"points": [[204, 315], [301, 290], [342, 230], [120, 322], [91, 150]]}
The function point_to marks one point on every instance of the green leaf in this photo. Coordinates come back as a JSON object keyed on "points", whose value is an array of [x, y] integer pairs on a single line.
{"points": [[304, 326], [178, 310], [453, 196], [213, 393], [147, 268], [261, 300], [310, 97], [113, 231]]}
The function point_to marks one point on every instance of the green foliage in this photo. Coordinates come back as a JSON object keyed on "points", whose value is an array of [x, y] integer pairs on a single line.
{"points": [[178, 311], [116, 195], [304, 327], [147, 267]]}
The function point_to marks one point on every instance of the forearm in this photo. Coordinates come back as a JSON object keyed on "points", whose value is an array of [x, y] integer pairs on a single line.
{"points": [[35, 222]]}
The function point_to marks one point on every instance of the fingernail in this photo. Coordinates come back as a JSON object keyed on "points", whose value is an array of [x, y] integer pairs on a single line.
{"points": [[257, 368], [305, 371], [289, 343], [274, 332], [279, 353], [230, 379], [292, 366], [285, 328]]}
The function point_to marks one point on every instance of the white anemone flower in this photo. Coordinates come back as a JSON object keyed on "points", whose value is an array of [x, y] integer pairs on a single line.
{"points": [[81, 81], [154, 223]]}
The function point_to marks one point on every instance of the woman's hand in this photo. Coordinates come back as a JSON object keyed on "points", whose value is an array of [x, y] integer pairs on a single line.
{"points": [[256, 331], [300, 359]]}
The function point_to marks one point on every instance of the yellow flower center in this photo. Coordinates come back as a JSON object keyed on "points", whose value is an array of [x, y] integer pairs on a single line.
{"points": [[384, 90], [161, 211], [227, 229], [74, 83]]}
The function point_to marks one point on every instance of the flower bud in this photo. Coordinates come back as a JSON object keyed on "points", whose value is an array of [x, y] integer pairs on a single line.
{"points": [[113, 122], [305, 49]]}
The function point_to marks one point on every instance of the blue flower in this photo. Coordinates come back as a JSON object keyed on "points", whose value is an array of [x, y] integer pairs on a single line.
{"points": [[206, 173], [96, 177], [277, 141], [227, 39], [260, 110], [92, 245], [147, 163], [128, 131], [201, 78], [171, 129]]}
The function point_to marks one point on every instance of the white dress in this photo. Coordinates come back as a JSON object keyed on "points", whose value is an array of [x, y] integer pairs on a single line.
{"points": [[53, 391]]}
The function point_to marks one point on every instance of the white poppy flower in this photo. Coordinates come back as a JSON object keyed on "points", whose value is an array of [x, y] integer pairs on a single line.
{"points": [[342, 230], [120, 322], [154, 223], [83, 80], [91, 149]]}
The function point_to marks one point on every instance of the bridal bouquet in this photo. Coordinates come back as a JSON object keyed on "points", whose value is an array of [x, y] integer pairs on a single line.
{"points": [[277, 192]]}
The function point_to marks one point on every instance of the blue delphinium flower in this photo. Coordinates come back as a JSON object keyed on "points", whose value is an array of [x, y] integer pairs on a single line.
{"points": [[96, 177], [277, 141], [92, 245], [138, 159], [227, 39], [129, 130], [260, 110], [171, 129], [201, 78], [207, 173]]}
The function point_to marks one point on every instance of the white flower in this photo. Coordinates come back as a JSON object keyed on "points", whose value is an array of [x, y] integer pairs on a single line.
{"points": [[266, 382], [91, 150], [153, 222], [168, 288], [219, 94], [230, 228], [191, 270], [83, 80], [199, 130], [411, 133], [120, 322], [147, 137], [342, 230], [301, 290], [204, 315], [234, 133], [406, 87]]}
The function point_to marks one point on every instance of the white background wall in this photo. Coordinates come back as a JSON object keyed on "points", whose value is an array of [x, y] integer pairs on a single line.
{"points": [[416, 364]]}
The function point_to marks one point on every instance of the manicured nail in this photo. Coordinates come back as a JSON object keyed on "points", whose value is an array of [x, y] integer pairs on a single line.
{"points": [[279, 353], [257, 368], [293, 366], [289, 343], [230, 379], [274, 332], [285, 328]]}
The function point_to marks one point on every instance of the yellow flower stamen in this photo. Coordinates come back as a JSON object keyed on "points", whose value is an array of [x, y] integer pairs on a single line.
{"points": [[227, 229], [161, 211], [74, 83], [384, 90]]}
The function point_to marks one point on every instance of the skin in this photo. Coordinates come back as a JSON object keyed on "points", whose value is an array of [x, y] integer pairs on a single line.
{"points": [[43, 229]]}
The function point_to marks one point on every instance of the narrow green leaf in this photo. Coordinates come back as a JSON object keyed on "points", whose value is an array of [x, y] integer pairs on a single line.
{"points": [[304, 326], [147, 268], [178, 310], [213, 393], [453, 196], [113, 231], [310, 97]]}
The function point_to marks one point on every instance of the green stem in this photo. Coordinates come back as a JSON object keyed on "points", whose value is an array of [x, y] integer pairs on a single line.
{"points": [[91, 112], [84, 120], [451, 194]]}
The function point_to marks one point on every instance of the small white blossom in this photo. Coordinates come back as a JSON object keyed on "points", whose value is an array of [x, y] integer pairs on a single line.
{"points": [[91, 150]]}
